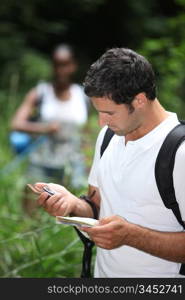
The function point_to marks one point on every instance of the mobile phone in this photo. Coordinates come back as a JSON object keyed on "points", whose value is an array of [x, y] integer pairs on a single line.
{"points": [[47, 189]]}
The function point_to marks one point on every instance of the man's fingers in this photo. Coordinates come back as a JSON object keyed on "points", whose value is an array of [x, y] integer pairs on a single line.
{"points": [[57, 188], [105, 221], [102, 226], [52, 186], [56, 205], [100, 241], [59, 207], [63, 209], [50, 201], [42, 198], [40, 185], [97, 229], [105, 225]]}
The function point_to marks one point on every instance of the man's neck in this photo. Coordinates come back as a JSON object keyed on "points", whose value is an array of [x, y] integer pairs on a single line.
{"points": [[153, 116]]}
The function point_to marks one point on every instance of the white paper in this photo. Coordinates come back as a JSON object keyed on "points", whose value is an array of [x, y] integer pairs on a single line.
{"points": [[77, 222]]}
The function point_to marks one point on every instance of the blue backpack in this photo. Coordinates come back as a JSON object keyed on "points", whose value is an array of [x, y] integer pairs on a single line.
{"points": [[21, 141]]}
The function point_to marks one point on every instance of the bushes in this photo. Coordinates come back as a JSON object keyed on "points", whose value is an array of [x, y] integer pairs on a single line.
{"points": [[167, 54]]}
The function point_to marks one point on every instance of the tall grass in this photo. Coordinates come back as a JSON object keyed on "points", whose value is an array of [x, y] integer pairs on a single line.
{"points": [[34, 246]]}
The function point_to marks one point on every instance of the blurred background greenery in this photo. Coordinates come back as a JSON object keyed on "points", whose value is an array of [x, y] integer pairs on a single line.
{"points": [[29, 30]]}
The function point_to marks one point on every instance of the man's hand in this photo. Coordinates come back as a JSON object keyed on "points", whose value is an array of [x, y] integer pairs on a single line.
{"points": [[62, 203], [111, 232]]}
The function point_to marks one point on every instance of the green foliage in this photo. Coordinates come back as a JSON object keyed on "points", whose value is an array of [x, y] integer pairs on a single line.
{"points": [[34, 67], [34, 246], [27, 249], [167, 55], [37, 247]]}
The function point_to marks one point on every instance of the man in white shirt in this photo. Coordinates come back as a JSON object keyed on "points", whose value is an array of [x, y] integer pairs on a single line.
{"points": [[137, 236]]}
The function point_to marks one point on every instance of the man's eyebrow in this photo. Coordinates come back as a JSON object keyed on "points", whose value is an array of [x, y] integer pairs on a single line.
{"points": [[106, 111]]}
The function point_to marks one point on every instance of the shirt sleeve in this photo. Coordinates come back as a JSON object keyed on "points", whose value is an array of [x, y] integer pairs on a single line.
{"points": [[92, 180], [179, 178], [41, 89], [80, 108]]}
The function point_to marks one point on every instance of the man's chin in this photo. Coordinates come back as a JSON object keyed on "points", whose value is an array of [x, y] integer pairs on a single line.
{"points": [[117, 131]]}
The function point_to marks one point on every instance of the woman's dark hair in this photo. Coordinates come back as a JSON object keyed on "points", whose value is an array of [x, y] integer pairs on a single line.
{"points": [[120, 74]]}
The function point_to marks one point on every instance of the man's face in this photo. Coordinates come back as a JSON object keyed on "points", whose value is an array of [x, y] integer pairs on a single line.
{"points": [[119, 117]]}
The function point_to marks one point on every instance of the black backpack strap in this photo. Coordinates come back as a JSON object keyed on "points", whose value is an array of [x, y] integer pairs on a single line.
{"points": [[87, 255], [164, 169], [88, 244], [164, 172], [107, 137]]}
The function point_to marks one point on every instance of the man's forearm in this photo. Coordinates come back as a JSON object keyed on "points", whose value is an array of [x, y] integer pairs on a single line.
{"points": [[82, 209], [85, 209], [166, 245]]}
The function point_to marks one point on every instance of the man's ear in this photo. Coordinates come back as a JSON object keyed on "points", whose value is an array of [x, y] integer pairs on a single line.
{"points": [[140, 100]]}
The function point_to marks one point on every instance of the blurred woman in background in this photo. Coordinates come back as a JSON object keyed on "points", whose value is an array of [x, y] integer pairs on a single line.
{"points": [[61, 109]]}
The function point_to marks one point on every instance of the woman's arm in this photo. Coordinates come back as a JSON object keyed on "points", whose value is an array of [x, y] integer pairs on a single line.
{"points": [[21, 121]]}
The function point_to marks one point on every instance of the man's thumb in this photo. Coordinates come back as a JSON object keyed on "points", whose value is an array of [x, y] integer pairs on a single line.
{"points": [[105, 221]]}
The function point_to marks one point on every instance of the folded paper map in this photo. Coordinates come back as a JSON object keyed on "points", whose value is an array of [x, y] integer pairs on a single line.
{"points": [[76, 221]]}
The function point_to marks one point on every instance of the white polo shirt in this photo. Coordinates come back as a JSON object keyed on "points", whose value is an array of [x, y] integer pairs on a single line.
{"points": [[126, 180]]}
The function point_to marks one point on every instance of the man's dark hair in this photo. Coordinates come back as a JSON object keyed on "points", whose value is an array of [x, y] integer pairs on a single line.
{"points": [[120, 74]]}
